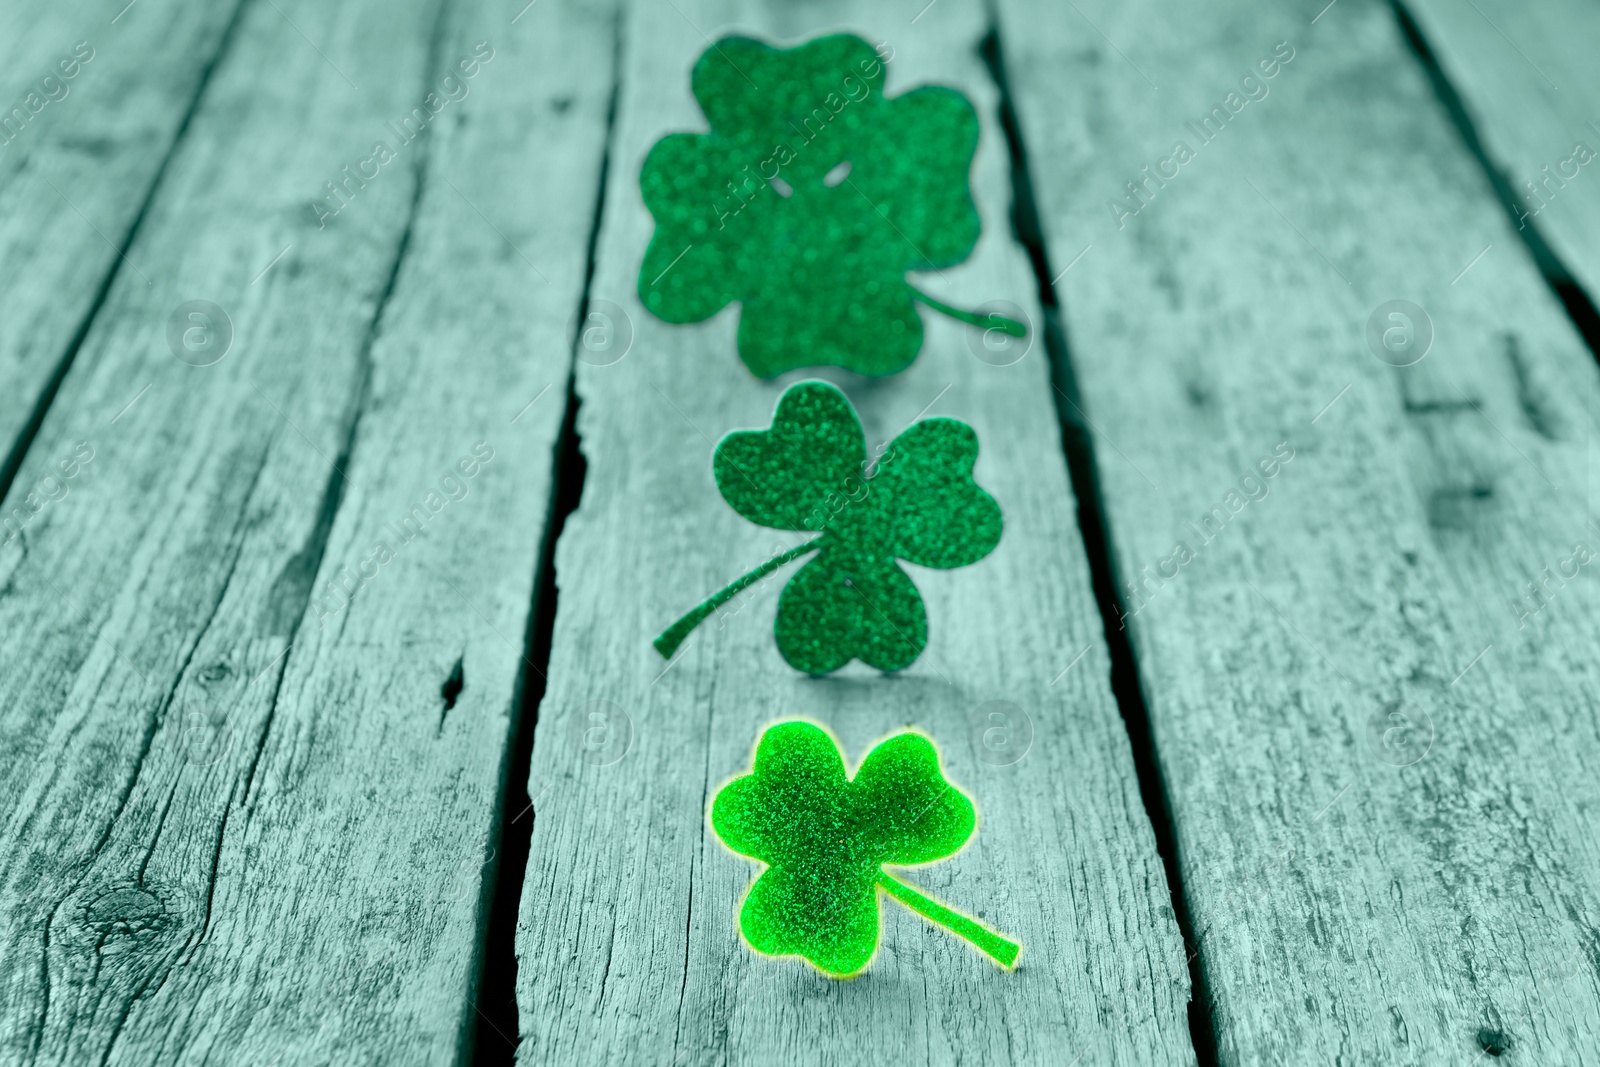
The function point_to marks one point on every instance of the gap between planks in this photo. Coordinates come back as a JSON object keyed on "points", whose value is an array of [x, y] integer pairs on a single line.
{"points": [[1562, 279], [496, 996], [30, 429], [1077, 443]]}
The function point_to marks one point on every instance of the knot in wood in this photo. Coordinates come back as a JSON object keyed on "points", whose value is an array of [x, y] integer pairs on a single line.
{"points": [[129, 911]]}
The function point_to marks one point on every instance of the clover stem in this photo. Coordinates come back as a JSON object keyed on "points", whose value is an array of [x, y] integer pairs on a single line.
{"points": [[1001, 949], [673, 636], [972, 318]]}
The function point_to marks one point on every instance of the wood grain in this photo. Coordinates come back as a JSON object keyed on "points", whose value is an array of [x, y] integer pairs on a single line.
{"points": [[1527, 76], [628, 950], [243, 821], [78, 158], [1349, 909]]}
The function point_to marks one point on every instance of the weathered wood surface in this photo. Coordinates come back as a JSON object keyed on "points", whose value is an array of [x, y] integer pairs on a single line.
{"points": [[628, 949], [1349, 910], [1527, 76], [242, 823], [78, 157]]}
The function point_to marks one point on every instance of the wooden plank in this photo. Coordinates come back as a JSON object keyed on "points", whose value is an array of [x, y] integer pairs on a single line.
{"points": [[627, 945], [1371, 607], [78, 157], [1527, 77], [243, 823]]}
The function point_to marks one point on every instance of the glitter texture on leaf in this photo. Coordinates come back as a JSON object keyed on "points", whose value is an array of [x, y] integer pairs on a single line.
{"points": [[808, 202], [825, 839], [808, 472]]}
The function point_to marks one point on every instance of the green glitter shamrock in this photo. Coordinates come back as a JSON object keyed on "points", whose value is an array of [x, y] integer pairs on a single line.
{"points": [[808, 473], [808, 201], [825, 838]]}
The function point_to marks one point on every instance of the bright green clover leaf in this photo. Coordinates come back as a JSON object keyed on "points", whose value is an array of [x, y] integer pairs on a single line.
{"points": [[825, 839], [808, 201], [807, 473]]}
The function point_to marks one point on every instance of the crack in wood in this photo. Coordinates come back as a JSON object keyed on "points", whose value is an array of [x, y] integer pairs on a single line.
{"points": [[52, 386], [1578, 304], [496, 995], [1078, 444]]}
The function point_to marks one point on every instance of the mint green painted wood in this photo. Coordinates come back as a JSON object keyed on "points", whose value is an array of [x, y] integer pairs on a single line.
{"points": [[241, 825], [1348, 909], [1528, 77], [77, 157], [628, 950]]}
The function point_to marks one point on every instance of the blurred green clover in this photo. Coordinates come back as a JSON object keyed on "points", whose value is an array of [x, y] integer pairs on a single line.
{"points": [[920, 504], [808, 201], [825, 839]]}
